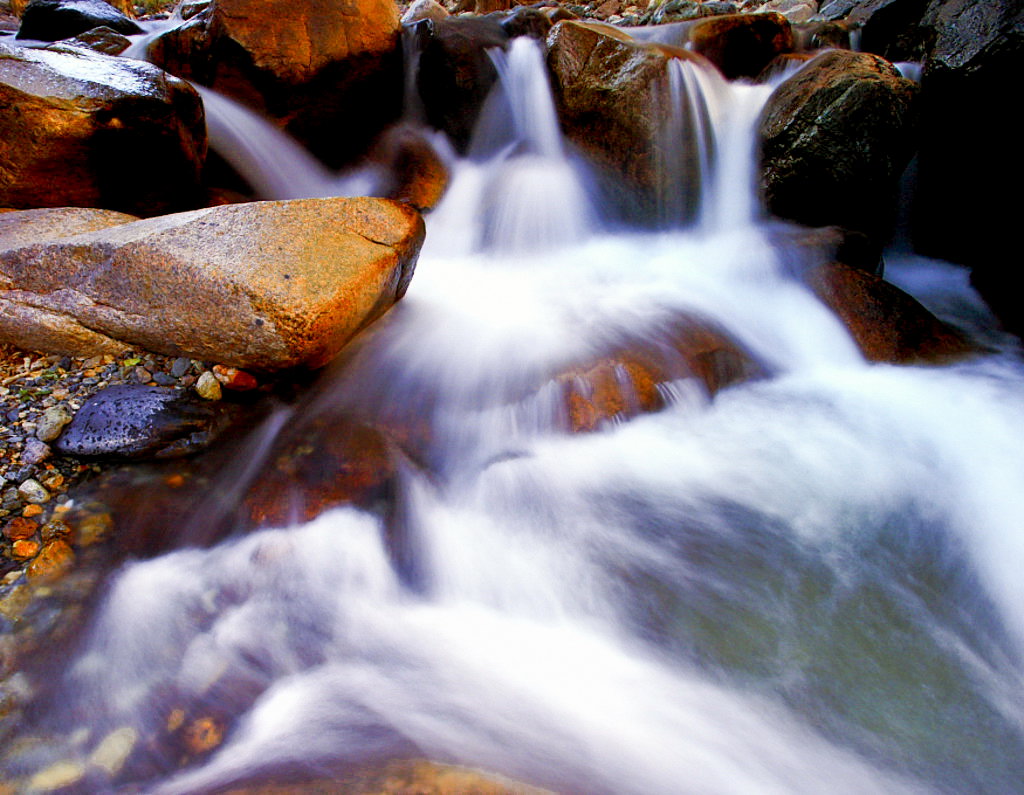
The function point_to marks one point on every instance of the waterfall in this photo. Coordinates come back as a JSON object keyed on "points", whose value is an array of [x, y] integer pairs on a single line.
{"points": [[807, 582]]}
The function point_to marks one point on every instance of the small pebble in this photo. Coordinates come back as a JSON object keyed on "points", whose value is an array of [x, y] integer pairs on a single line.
{"points": [[180, 366], [25, 548], [32, 491], [35, 451], [32, 511], [208, 387], [20, 528], [142, 375]]}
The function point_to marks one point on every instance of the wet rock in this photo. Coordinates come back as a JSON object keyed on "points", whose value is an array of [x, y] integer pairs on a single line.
{"points": [[527, 21], [113, 750], [72, 120], [305, 63], [424, 9], [208, 387], [32, 491], [887, 324], [334, 462], [25, 548], [261, 286], [611, 93], [35, 451], [456, 73], [632, 381], [234, 379], [19, 528], [132, 422], [742, 45], [420, 176], [835, 139], [51, 20], [103, 40], [54, 561], [52, 423]]}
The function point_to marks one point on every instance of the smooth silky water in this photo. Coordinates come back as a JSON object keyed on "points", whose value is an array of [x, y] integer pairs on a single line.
{"points": [[809, 583]]}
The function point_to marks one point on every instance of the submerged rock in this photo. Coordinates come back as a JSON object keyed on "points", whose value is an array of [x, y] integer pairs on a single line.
{"points": [[129, 421], [835, 139], [52, 20], [72, 121], [263, 286], [330, 72]]}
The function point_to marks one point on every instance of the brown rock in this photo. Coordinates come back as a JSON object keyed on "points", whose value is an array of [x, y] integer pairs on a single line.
{"points": [[628, 382], [835, 139], [329, 71], [887, 324], [742, 45], [333, 462], [54, 561], [420, 175], [19, 528], [25, 548], [261, 286], [71, 121], [235, 379], [611, 93], [456, 73]]}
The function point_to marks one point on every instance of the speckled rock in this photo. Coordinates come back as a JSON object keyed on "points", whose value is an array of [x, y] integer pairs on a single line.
{"points": [[52, 423], [24, 227], [129, 421], [71, 120], [261, 286]]}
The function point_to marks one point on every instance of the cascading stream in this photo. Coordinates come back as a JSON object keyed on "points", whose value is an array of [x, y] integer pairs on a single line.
{"points": [[808, 583]]}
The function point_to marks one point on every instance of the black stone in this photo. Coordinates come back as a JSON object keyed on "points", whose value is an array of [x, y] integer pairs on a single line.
{"points": [[134, 422], [53, 20]]}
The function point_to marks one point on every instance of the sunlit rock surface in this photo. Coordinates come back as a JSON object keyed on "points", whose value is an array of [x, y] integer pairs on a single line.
{"points": [[266, 286], [330, 72], [72, 122]]}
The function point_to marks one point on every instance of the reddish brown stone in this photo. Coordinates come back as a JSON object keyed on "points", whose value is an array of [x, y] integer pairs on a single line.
{"points": [[233, 378], [887, 324], [742, 45], [54, 561], [20, 527]]}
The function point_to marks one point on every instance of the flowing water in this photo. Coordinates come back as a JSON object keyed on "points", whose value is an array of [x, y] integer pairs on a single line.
{"points": [[809, 582]]}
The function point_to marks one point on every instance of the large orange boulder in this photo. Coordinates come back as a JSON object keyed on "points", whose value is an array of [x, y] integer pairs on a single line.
{"points": [[261, 286], [73, 123], [328, 71]]}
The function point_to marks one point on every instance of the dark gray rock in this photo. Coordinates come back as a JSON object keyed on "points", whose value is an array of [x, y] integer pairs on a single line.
{"points": [[52, 20], [134, 422], [835, 139]]}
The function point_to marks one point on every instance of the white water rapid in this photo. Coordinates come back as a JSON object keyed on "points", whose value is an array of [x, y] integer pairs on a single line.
{"points": [[807, 583]]}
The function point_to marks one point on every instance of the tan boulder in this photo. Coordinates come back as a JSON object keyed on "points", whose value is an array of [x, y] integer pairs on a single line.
{"points": [[328, 71], [22, 228], [262, 286], [612, 97], [72, 124]]}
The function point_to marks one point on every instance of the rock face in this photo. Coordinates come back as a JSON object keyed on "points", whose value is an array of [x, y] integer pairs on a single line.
{"points": [[456, 73], [262, 286], [887, 324], [73, 122], [742, 45], [329, 71], [52, 20], [611, 93], [835, 139], [40, 226]]}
